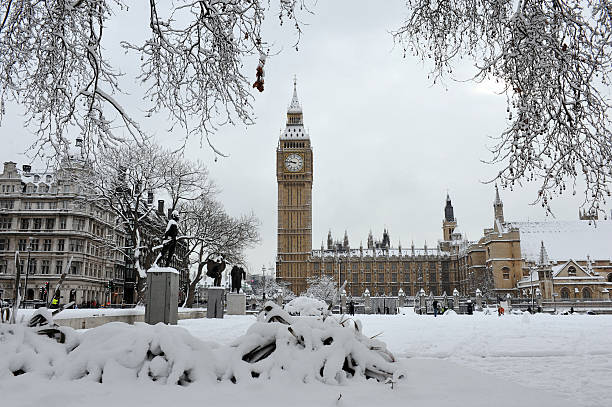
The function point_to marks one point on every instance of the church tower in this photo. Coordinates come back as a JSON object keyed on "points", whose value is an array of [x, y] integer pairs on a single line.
{"points": [[294, 173], [449, 223], [498, 208]]}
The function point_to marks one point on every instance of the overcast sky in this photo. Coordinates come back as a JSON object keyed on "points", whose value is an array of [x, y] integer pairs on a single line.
{"points": [[388, 144]]}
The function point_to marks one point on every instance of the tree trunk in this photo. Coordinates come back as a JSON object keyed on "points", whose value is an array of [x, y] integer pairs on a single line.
{"points": [[192, 286]]}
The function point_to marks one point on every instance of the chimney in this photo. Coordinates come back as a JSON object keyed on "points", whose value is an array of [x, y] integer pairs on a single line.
{"points": [[26, 168], [169, 213], [160, 206], [150, 198]]}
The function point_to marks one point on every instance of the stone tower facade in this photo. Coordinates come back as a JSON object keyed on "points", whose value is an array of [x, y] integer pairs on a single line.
{"points": [[294, 174], [449, 223]]}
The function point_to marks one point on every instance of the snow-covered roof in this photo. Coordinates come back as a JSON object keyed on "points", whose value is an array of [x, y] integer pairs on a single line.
{"points": [[565, 239], [294, 132]]}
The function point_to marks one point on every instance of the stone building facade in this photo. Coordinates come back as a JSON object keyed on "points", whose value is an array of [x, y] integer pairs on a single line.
{"points": [[506, 259], [42, 218]]}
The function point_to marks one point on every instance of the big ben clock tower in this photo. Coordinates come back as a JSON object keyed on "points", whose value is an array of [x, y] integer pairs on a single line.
{"points": [[294, 177]]}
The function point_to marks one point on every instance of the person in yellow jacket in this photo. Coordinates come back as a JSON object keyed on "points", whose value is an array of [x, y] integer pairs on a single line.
{"points": [[54, 302]]}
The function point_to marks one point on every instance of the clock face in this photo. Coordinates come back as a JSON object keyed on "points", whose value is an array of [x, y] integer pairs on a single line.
{"points": [[294, 162]]}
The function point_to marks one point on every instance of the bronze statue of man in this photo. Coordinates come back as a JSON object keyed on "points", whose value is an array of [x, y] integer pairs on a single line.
{"points": [[237, 274], [170, 238]]}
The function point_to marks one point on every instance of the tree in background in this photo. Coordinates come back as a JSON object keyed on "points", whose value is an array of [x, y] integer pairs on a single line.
{"points": [[324, 288], [55, 64], [553, 59], [209, 230]]}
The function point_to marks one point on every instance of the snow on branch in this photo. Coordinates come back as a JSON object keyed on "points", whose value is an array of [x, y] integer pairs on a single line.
{"points": [[553, 59], [55, 65]]}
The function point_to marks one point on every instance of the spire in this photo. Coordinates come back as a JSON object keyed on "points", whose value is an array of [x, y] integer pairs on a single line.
{"points": [[543, 257], [346, 240], [295, 106], [449, 214], [497, 201], [498, 207]]}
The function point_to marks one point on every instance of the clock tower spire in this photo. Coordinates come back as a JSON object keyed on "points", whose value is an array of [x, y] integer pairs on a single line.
{"points": [[294, 174]]}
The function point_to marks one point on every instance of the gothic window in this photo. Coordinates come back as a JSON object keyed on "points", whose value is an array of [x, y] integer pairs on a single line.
{"points": [[393, 266], [432, 276], [586, 293], [432, 265], [355, 278], [368, 277], [506, 273], [394, 277], [406, 276], [367, 266], [381, 266], [571, 271], [565, 294], [381, 277], [328, 267], [316, 267]]}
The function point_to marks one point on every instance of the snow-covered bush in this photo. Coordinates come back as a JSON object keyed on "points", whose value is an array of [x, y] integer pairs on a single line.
{"points": [[329, 350], [306, 306]]}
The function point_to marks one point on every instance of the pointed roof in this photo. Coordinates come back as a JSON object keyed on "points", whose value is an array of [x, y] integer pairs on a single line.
{"points": [[295, 106], [498, 200], [543, 257]]}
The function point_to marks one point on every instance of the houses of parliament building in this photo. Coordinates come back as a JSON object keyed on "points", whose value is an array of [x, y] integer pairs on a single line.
{"points": [[496, 261]]}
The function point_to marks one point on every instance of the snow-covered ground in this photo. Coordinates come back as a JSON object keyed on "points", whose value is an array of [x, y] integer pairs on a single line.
{"points": [[539, 360]]}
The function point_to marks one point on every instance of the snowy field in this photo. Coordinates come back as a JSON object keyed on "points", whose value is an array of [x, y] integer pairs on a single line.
{"points": [[539, 360]]}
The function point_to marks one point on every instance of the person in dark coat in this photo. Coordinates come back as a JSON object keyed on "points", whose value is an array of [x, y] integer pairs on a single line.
{"points": [[352, 308], [435, 308], [237, 274]]}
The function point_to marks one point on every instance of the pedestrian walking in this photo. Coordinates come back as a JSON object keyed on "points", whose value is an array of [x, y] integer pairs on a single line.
{"points": [[435, 308]]}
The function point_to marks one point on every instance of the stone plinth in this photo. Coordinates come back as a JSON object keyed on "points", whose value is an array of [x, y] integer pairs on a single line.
{"points": [[162, 296], [215, 302], [236, 304]]}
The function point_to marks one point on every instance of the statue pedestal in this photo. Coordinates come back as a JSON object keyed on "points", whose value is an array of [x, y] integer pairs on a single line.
{"points": [[236, 304], [215, 302], [162, 296]]}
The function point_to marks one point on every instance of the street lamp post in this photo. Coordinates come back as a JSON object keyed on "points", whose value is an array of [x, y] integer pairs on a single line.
{"points": [[25, 290], [263, 272]]}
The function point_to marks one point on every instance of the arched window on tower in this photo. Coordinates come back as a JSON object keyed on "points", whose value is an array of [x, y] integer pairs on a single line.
{"points": [[506, 273]]}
